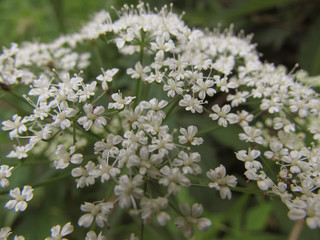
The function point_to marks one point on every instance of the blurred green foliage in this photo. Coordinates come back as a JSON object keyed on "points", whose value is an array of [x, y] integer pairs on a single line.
{"points": [[286, 32]]}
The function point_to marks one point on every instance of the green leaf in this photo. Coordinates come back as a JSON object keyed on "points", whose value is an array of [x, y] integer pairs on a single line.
{"points": [[310, 50], [257, 217]]}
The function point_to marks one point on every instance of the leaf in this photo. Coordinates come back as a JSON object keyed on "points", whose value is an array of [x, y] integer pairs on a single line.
{"points": [[257, 217], [310, 50]]}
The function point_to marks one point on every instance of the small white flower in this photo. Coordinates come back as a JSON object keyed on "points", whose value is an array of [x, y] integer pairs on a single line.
{"points": [[57, 233], [91, 235], [98, 212], [20, 152], [188, 136], [249, 158], [92, 116], [4, 233], [191, 104], [223, 115], [155, 206], [251, 135], [85, 173], [106, 76], [119, 101], [139, 71], [65, 157], [221, 181], [190, 218], [5, 172], [128, 190], [173, 87], [20, 198], [172, 178], [16, 126]]}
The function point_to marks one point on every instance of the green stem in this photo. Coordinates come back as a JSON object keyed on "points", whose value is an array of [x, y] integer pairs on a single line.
{"points": [[173, 104], [208, 130], [139, 80], [43, 183]]}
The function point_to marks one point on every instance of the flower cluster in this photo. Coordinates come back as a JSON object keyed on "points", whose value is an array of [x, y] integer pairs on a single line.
{"points": [[136, 152]]}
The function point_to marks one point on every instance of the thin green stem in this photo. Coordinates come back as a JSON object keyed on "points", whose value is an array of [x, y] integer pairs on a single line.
{"points": [[74, 133], [173, 104], [42, 183], [142, 229], [208, 130], [139, 80]]}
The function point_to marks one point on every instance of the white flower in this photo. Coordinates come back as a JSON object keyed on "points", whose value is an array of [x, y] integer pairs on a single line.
{"points": [[17, 126], [91, 235], [188, 136], [119, 101], [191, 104], [224, 64], [106, 76], [190, 218], [61, 119], [87, 92], [20, 198], [85, 173], [151, 207], [139, 72], [223, 115], [5, 172], [127, 190], [249, 158], [4, 233], [20, 152], [251, 135], [188, 162], [99, 212], [57, 233], [309, 209], [65, 157], [92, 116], [173, 87], [221, 181], [172, 178], [204, 87]]}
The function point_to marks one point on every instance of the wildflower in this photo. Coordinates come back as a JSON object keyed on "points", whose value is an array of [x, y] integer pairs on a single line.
{"points": [[4, 233], [221, 181], [249, 158], [119, 101], [223, 115], [171, 178], [91, 235], [65, 157], [204, 87], [191, 104], [188, 136], [99, 212], [127, 190], [190, 218], [251, 135], [309, 209], [92, 116], [16, 126], [85, 173], [106, 76], [20, 152], [173, 87], [5, 172], [57, 233], [151, 207], [139, 72], [188, 162], [20, 198]]}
